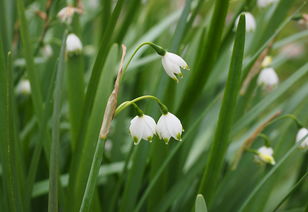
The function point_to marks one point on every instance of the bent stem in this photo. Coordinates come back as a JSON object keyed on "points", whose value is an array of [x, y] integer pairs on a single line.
{"points": [[125, 104], [159, 50]]}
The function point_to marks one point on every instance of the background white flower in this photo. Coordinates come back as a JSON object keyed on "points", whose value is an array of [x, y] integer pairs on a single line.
{"points": [[73, 44], [172, 64], [265, 3], [265, 155], [250, 22], [300, 135], [169, 126], [23, 87], [142, 127], [268, 77]]}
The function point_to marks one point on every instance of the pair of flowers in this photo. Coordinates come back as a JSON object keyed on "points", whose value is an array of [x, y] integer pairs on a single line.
{"points": [[265, 154], [145, 127]]}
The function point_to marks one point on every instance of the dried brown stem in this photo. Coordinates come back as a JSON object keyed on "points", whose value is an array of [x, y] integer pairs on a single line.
{"points": [[112, 101]]}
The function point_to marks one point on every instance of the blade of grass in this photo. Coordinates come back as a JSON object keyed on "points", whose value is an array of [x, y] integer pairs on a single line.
{"points": [[200, 205], [205, 62], [53, 202], [11, 183], [220, 144], [81, 165]]}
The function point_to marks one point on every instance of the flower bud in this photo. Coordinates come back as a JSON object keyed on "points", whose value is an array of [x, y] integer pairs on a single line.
{"points": [[268, 78], [73, 44], [250, 22], [169, 126], [23, 87], [265, 155], [142, 127], [172, 64], [300, 135]]}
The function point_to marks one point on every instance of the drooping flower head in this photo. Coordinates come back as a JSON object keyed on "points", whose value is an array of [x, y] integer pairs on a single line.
{"points": [[250, 22], [169, 126], [265, 155], [300, 135], [73, 44], [23, 87], [142, 127], [268, 78], [172, 64]]}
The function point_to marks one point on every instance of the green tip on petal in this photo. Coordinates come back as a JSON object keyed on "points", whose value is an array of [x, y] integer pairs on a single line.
{"points": [[150, 138], [180, 75], [176, 79], [166, 140], [136, 140], [185, 67], [178, 137]]}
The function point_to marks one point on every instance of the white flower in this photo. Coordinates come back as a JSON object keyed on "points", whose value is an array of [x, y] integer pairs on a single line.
{"points": [[66, 14], [250, 22], [300, 135], [265, 3], [142, 127], [169, 126], [73, 44], [47, 51], [268, 78], [23, 87], [172, 64], [265, 155]]}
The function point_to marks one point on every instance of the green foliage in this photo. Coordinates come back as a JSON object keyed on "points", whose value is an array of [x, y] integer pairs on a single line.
{"points": [[52, 157]]}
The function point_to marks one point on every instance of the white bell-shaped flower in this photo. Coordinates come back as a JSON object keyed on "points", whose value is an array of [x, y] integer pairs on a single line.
{"points": [[23, 87], [265, 155], [266, 3], [268, 78], [73, 44], [300, 135], [66, 14], [169, 126], [142, 127], [172, 64], [250, 22]]}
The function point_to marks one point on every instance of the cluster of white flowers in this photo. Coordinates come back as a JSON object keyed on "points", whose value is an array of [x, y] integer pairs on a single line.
{"points": [[264, 155], [250, 22], [300, 135], [73, 44], [145, 127]]}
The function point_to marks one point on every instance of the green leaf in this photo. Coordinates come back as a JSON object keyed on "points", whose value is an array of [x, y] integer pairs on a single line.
{"points": [[83, 157], [220, 144], [200, 205], [8, 141], [53, 202]]}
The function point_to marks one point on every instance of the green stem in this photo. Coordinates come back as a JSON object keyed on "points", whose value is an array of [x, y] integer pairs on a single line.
{"points": [[138, 110], [97, 160], [266, 139], [159, 50], [289, 116], [124, 105]]}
